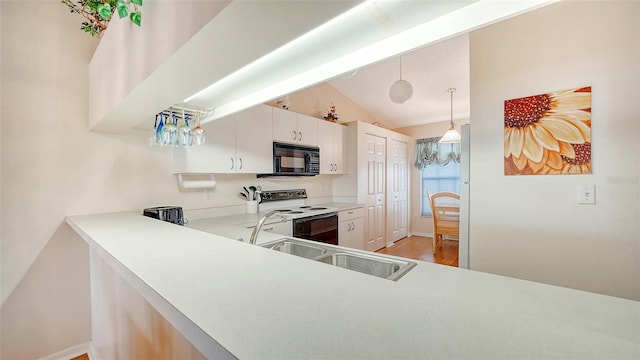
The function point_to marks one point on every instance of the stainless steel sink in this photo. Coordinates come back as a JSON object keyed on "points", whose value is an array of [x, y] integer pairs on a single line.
{"points": [[369, 265], [351, 259], [297, 248]]}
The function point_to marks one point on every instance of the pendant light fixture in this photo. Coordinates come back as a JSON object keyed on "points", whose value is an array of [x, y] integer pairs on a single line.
{"points": [[401, 90], [452, 135]]}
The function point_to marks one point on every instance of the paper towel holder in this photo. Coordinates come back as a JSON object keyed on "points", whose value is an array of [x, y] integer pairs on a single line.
{"points": [[185, 183]]}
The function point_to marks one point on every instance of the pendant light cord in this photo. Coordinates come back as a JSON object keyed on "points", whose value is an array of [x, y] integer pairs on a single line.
{"points": [[451, 91]]}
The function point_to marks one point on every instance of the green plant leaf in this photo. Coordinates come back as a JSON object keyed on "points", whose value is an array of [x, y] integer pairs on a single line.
{"points": [[105, 11], [136, 17], [137, 2], [122, 8]]}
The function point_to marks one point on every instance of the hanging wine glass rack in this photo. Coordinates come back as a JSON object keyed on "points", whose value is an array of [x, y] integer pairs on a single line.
{"points": [[166, 131]]}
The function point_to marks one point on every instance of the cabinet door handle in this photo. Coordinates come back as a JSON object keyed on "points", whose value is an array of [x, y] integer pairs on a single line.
{"points": [[268, 229], [353, 226], [240, 168], [335, 167], [348, 226], [299, 135], [232, 163], [295, 135]]}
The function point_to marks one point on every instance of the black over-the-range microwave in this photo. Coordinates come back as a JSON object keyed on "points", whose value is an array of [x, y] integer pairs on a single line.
{"points": [[294, 160]]}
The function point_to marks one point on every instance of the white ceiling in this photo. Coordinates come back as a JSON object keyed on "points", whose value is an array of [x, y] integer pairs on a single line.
{"points": [[431, 70]]}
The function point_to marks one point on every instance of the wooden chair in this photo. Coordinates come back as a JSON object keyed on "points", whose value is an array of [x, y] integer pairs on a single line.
{"points": [[445, 207]]}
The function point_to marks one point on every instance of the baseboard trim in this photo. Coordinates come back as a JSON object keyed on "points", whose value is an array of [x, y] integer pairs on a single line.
{"points": [[421, 234], [93, 353], [70, 353]]}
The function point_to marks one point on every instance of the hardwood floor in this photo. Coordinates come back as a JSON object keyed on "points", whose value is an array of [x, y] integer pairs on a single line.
{"points": [[419, 248]]}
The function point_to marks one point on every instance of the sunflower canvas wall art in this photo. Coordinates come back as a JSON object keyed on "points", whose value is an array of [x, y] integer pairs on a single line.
{"points": [[548, 133]]}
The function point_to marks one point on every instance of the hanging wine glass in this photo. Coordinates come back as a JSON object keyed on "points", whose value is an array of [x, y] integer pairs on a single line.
{"points": [[174, 139], [159, 139], [170, 130], [154, 131], [184, 132], [198, 132]]}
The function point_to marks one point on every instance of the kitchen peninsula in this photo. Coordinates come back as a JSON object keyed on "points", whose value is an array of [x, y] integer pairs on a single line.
{"points": [[234, 300]]}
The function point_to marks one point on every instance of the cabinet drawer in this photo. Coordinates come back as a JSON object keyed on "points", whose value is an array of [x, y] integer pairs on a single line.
{"points": [[351, 214], [280, 228]]}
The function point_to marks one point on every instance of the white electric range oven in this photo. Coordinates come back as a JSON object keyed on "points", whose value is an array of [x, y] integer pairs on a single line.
{"points": [[317, 223]]}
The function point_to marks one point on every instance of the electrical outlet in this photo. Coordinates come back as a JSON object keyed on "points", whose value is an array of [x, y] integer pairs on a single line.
{"points": [[208, 194], [586, 194]]}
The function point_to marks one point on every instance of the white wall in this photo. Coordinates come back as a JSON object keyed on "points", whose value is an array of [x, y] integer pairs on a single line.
{"points": [[53, 166], [530, 227]]}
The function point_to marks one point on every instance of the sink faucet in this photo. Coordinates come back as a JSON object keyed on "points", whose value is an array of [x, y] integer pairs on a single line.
{"points": [[256, 230]]}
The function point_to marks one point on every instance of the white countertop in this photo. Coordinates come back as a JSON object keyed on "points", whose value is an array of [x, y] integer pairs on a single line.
{"points": [[259, 303], [235, 226], [238, 226]]}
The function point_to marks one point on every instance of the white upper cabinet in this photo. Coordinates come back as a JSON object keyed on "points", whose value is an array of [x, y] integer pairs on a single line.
{"points": [[330, 141], [307, 130], [216, 156], [239, 143], [293, 128], [285, 125], [254, 147]]}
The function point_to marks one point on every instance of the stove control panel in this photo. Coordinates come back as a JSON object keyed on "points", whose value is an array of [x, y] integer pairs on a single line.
{"points": [[277, 195]]}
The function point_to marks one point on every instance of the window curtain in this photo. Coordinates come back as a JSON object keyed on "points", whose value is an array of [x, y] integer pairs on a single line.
{"points": [[430, 152]]}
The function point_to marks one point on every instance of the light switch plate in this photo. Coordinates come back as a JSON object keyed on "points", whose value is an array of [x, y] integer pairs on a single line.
{"points": [[586, 194]]}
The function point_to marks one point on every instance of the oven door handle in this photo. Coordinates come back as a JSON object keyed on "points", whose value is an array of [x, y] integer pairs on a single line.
{"points": [[316, 217]]}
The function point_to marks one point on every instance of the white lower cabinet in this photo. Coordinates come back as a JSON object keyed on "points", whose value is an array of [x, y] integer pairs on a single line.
{"points": [[239, 143], [351, 228]]}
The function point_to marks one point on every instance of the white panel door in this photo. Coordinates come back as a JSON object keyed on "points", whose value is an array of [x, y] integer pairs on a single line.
{"points": [[397, 178], [375, 199]]}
